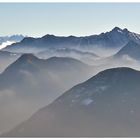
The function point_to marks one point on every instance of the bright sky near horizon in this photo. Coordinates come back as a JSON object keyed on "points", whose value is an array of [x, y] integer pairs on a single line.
{"points": [[38, 19]]}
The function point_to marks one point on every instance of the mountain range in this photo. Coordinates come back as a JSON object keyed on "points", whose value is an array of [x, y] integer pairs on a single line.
{"points": [[89, 85], [131, 49], [115, 39]]}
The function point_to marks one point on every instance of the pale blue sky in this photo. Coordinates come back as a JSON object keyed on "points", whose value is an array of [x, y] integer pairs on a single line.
{"points": [[79, 19]]}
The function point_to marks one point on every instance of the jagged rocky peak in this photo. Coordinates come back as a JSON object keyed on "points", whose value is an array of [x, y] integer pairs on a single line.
{"points": [[49, 36], [125, 30], [116, 29]]}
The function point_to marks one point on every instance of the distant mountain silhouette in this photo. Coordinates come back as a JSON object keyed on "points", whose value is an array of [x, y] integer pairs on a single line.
{"points": [[116, 38], [107, 105]]}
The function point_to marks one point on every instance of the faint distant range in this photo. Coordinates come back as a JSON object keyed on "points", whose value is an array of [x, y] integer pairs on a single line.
{"points": [[8, 40], [104, 44]]}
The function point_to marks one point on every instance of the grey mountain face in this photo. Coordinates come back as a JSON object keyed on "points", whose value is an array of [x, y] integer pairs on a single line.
{"points": [[128, 56], [116, 38], [131, 49], [30, 83], [104, 106]]}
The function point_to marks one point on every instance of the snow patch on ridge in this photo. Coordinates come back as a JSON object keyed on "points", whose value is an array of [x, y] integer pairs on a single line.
{"points": [[87, 101], [4, 44]]}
